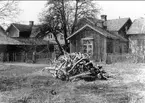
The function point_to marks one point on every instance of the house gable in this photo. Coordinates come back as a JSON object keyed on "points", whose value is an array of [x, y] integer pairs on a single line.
{"points": [[116, 27], [12, 31], [99, 30], [137, 27], [116, 24], [19, 30]]}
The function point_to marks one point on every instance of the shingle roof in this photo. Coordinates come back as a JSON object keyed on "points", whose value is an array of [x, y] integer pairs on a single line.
{"points": [[116, 24], [112, 26], [35, 31], [4, 40], [22, 27], [137, 27]]}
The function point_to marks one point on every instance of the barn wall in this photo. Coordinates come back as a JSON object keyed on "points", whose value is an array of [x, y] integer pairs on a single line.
{"points": [[72, 45], [110, 46], [137, 44], [99, 49]]}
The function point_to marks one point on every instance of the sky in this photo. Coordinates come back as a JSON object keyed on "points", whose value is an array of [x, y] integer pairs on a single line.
{"points": [[113, 9]]}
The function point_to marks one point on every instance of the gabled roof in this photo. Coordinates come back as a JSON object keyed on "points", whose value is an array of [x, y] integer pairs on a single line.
{"points": [[116, 24], [137, 27], [22, 27], [4, 40], [35, 31], [97, 29]]}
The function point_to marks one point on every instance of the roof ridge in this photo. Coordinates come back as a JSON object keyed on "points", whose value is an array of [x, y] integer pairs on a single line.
{"points": [[20, 24], [119, 18]]}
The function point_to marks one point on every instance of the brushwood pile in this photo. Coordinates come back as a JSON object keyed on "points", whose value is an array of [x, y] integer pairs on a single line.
{"points": [[76, 66]]}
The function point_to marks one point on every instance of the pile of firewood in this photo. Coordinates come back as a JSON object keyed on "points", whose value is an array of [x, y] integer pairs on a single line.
{"points": [[72, 66]]}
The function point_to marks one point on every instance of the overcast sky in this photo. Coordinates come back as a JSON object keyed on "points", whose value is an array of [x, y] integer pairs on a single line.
{"points": [[113, 9]]}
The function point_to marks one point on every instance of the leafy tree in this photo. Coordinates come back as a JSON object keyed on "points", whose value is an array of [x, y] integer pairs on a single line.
{"points": [[67, 13]]}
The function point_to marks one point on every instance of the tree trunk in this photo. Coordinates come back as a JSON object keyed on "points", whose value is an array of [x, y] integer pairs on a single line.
{"points": [[60, 47], [64, 27], [75, 20]]}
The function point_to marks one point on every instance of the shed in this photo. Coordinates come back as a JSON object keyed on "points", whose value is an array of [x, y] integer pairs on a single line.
{"points": [[92, 40]]}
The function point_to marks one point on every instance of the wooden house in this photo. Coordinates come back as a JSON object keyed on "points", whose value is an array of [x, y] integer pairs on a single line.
{"points": [[47, 36], [5, 41], [119, 27], [136, 35], [95, 37], [19, 30], [23, 34]]}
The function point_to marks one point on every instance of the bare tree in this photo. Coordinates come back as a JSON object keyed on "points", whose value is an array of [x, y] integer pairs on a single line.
{"points": [[68, 13], [9, 10]]}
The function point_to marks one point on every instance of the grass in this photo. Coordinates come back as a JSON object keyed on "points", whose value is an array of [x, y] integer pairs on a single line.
{"points": [[26, 84]]}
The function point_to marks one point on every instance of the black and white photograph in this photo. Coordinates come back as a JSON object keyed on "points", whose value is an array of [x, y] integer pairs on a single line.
{"points": [[72, 51]]}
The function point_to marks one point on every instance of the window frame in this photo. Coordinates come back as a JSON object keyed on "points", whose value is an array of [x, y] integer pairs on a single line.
{"points": [[87, 45]]}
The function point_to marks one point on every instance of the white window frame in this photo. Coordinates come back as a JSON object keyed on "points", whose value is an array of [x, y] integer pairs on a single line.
{"points": [[87, 45]]}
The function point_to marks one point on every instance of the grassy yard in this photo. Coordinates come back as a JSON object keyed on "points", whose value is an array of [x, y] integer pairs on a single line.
{"points": [[28, 84]]}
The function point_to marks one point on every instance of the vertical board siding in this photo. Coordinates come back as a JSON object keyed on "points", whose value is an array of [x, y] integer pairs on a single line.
{"points": [[99, 43], [136, 44]]}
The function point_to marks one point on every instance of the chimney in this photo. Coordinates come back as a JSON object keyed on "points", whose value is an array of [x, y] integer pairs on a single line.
{"points": [[104, 17], [31, 23]]}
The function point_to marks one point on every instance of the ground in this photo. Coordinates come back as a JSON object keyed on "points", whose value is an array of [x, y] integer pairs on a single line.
{"points": [[27, 83]]}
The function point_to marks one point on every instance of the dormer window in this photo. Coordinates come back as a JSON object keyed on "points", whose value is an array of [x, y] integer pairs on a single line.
{"points": [[50, 36]]}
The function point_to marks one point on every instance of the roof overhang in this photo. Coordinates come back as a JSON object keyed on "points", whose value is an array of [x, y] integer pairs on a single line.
{"points": [[87, 25]]}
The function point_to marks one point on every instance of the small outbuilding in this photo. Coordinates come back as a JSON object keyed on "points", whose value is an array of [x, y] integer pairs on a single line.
{"points": [[100, 37]]}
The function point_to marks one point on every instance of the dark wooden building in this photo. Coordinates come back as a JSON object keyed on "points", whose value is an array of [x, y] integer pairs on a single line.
{"points": [[95, 37], [29, 43], [136, 35]]}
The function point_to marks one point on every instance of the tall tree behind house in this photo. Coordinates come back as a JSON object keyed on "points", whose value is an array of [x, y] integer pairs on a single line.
{"points": [[9, 11], [67, 14]]}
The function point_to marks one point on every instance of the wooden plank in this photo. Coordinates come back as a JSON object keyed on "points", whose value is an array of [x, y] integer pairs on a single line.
{"points": [[105, 49]]}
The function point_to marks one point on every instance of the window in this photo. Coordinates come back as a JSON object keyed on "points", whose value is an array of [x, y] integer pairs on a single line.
{"points": [[87, 46], [51, 36]]}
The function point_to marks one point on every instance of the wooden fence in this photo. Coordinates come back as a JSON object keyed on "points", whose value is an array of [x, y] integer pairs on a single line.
{"points": [[24, 57], [134, 58]]}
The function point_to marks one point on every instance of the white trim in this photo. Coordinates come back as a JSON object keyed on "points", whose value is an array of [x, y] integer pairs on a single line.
{"points": [[16, 27], [87, 38], [89, 20], [87, 25]]}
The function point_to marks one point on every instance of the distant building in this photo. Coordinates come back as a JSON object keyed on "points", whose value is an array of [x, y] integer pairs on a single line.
{"points": [[136, 34], [29, 43]]}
